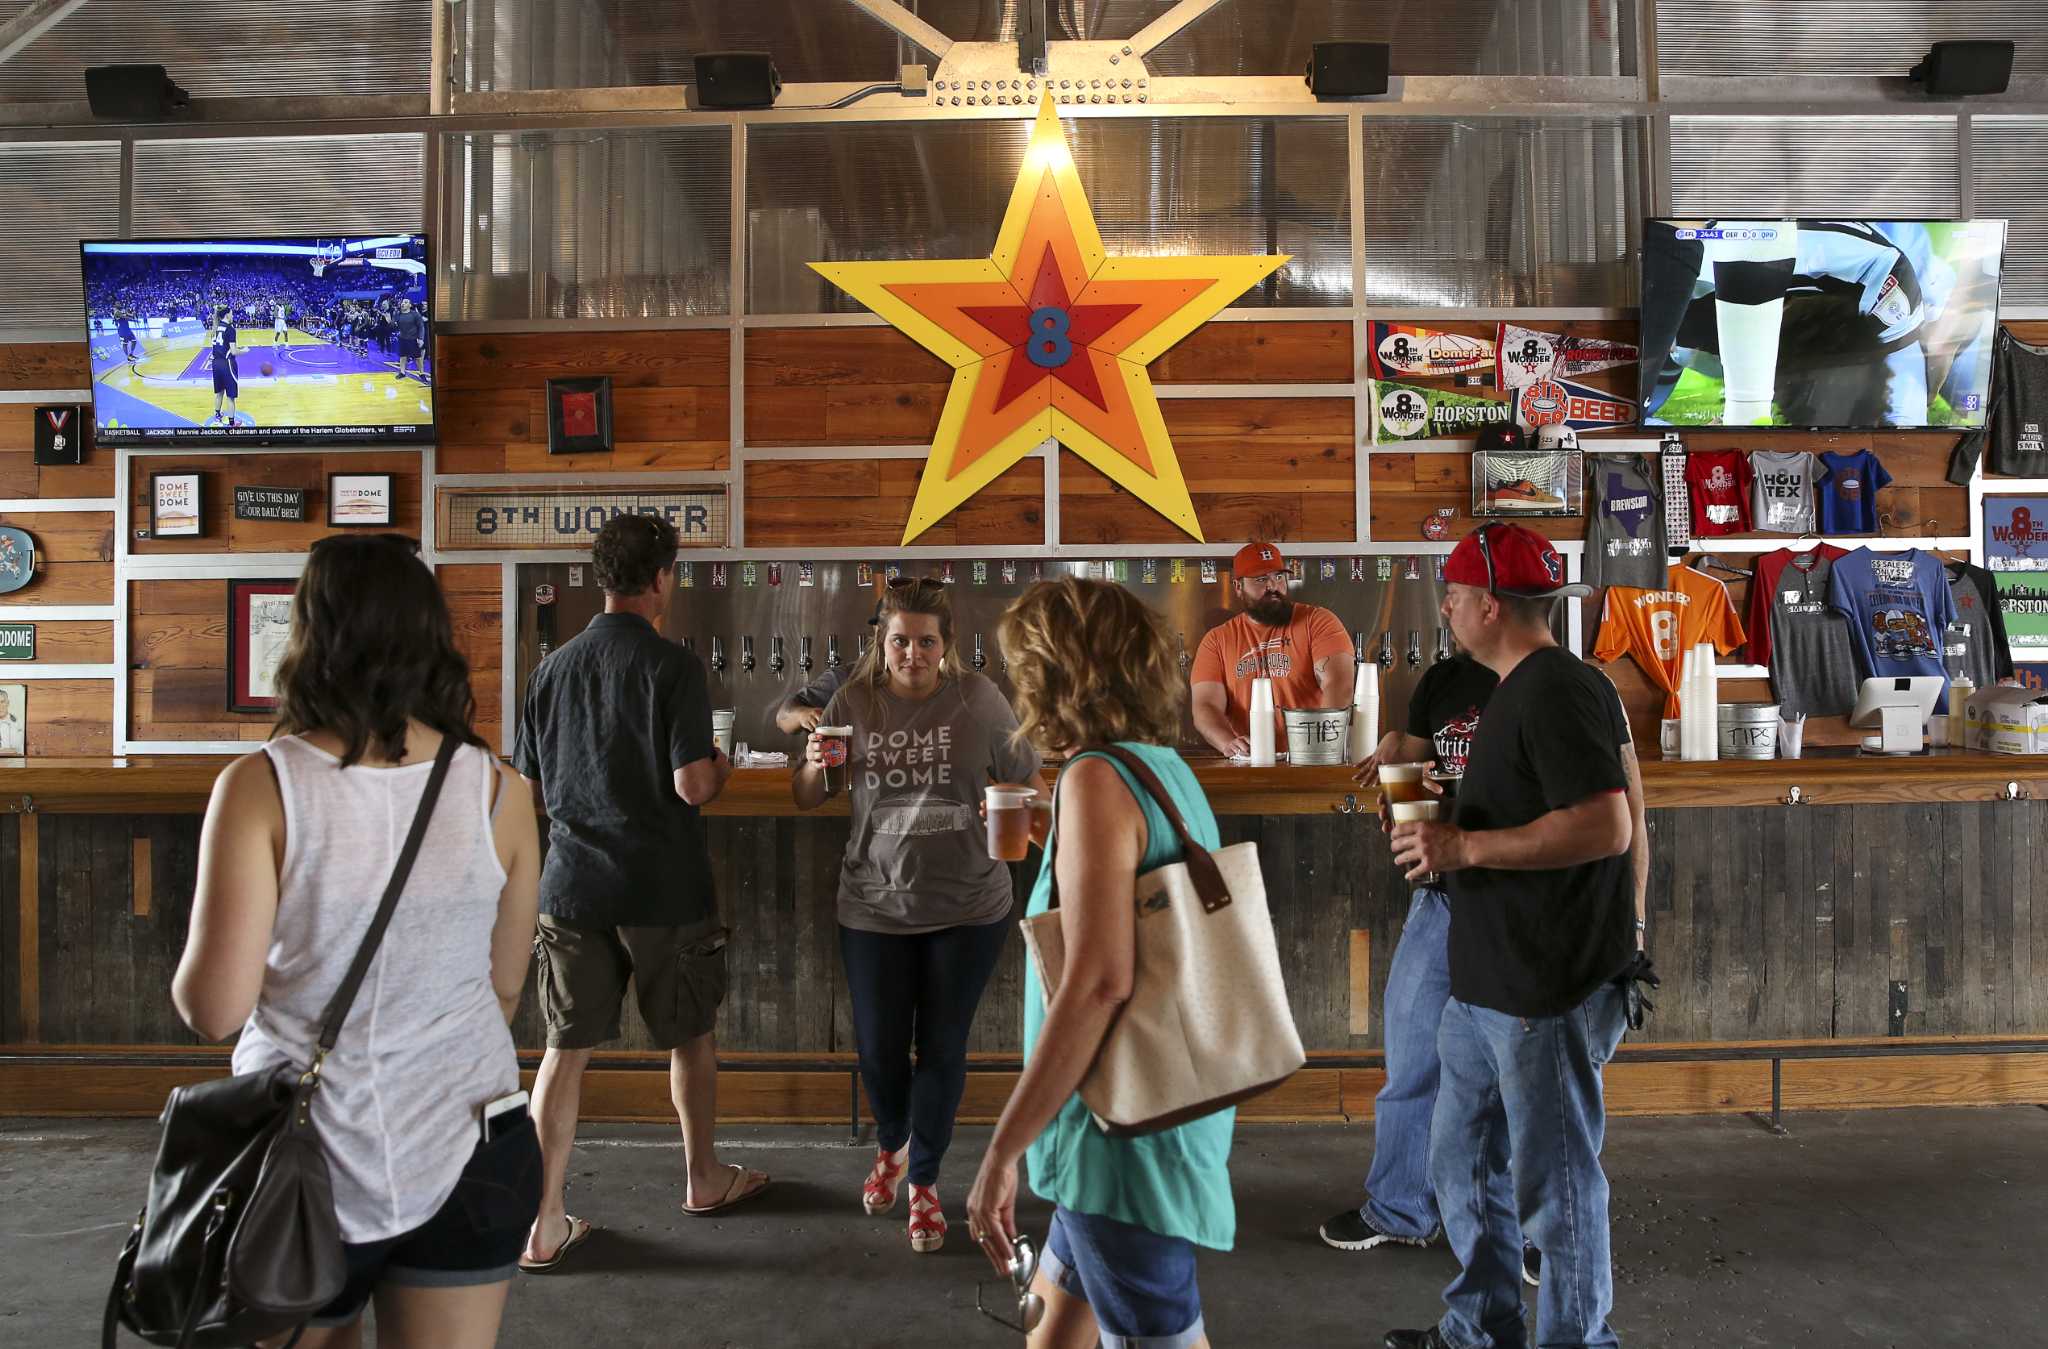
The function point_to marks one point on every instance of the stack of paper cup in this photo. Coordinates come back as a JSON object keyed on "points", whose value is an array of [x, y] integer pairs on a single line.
{"points": [[1365, 710], [1262, 718]]}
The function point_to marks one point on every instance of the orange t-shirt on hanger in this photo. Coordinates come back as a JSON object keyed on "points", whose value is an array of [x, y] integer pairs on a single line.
{"points": [[1658, 627]]}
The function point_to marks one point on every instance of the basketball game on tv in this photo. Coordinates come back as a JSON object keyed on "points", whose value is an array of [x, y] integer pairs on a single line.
{"points": [[1819, 323], [200, 341]]}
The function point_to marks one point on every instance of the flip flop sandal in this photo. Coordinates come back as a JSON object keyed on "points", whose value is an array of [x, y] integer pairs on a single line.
{"points": [[734, 1194], [579, 1231]]}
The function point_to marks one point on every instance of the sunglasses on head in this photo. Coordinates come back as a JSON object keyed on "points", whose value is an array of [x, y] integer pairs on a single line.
{"points": [[1485, 533]]}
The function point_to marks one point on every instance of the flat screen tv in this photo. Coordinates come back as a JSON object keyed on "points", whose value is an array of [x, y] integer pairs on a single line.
{"points": [[1819, 323], [260, 341]]}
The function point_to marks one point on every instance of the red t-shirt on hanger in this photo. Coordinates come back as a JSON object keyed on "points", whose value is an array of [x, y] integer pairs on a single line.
{"points": [[1718, 481]]}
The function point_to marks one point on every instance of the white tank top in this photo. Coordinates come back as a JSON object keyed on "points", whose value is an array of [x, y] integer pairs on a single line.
{"points": [[425, 1046]]}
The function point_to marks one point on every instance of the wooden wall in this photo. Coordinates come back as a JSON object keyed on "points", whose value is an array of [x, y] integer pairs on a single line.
{"points": [[1767, 923]]}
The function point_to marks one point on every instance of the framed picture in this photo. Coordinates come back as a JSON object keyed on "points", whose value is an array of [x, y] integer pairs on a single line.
{"points": [[1535, 482], [259, 626], [580, 415], [358, 499], [13, 720], [174, 505]]}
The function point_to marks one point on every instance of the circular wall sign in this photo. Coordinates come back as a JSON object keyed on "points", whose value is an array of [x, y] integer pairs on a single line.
{"points": [[17, 559]]}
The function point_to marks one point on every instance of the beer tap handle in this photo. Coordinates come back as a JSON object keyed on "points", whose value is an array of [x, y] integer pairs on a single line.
{"points": [[777, 662], [718, 655], [1358, 646], [1443, 643], [1414, 648], [803, 657], [832, 661], [1180, 641], [747, 653], [980, 655], [1385, 658]]}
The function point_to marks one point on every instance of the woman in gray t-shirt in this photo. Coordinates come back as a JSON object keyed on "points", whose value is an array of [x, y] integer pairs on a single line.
{"points": [[923, 910]]}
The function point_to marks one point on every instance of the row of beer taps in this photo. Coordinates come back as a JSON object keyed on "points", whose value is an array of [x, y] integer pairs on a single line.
{"points": [[1383, 655]]}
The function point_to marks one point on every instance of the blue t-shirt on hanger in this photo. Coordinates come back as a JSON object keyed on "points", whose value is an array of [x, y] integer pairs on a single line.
{"points": [[1848, 492], [1897, 605]]}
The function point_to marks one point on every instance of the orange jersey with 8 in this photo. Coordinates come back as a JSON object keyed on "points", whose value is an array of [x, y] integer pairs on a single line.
{"points": [[1658, 627]]}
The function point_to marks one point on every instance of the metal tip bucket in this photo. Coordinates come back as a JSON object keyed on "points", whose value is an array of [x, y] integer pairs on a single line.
{"points": [[1316, 735]]}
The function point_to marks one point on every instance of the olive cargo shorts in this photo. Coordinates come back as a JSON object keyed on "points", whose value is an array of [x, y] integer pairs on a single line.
{"points": [[678, 976]]}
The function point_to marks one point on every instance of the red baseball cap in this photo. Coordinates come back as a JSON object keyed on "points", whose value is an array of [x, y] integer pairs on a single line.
{"points": [[1257, 559], [1511, 560]]}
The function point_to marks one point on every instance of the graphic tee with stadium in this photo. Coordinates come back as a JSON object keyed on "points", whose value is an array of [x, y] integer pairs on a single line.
{"points": [[1625, 537], [1897, 605], [1719, 483], [1657, 627], [1784, 491]]}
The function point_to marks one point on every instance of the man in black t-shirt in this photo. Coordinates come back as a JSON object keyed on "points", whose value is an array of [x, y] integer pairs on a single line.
{"points": [[1542, 931], [615, 740]]}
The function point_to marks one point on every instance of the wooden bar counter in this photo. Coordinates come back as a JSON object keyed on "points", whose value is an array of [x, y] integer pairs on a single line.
{"points": [[1820, 903]]}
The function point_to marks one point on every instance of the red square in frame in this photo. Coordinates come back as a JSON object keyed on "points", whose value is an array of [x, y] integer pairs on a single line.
{"points": [[259, 626], [579, 414]]}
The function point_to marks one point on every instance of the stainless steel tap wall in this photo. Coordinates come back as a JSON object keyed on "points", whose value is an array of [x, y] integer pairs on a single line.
{"points": [[735, 616]]}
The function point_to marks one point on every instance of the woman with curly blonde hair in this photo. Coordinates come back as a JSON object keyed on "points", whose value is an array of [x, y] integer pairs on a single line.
{"points": [[1093, 666]]}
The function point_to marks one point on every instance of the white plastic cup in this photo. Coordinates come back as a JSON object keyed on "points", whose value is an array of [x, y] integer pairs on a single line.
{"points": [[721, 729], [1668, 737], [1263, 717], [1415, 812], [1791, 731]]}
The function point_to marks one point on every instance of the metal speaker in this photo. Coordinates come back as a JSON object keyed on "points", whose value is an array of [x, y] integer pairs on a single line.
{"points": [[1957, 69], [736, 80], [1348, 69], [134, 93]]}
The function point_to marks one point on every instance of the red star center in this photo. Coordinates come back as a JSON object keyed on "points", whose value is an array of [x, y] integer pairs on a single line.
{"points": [[1049, 336]]}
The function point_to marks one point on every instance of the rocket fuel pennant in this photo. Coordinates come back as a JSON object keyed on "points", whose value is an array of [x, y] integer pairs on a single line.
{"points": [[1049, 339]]}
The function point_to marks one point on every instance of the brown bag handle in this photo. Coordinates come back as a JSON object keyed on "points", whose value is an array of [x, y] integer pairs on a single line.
{"points": [[1210, 887]]}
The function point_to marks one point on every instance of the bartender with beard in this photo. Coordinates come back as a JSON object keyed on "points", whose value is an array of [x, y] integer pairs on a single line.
{"points": [[1302, 648]]}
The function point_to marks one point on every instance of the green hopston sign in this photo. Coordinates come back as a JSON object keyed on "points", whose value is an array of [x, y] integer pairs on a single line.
{"points": [[17, 641]]}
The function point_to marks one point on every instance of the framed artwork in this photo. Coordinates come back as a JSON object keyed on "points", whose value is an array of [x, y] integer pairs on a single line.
{"points": [[359, 499], [259, 626], [580, 415], [174, 505], [1535, 482], [13, 720]]}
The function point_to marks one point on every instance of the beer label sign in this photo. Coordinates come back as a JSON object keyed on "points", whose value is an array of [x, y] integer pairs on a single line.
{"points": [[1549, 402], [570, 517], [1410, 412], [1426, 353]]}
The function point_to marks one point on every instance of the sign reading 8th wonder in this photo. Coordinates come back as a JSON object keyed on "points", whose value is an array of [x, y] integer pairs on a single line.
{"points": [[1049, 337], [561, 516]]}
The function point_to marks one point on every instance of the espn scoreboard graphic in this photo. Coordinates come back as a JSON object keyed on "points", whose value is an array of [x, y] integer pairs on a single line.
{"points": [[556, 516]]}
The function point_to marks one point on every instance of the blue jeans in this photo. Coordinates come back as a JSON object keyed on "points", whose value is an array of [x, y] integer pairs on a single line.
{"points": [[1399, 1200], [1140, 1285], [1519, 1124], [913, 1003]]}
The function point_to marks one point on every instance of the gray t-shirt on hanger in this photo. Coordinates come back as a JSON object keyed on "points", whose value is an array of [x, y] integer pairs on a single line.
{"points": [[1625, 538], [1813, 665], [1783, 491], [917, 860]]}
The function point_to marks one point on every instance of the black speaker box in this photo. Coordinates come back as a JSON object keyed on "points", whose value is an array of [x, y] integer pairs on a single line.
{"points": [[1348, 69], [133, 93], [1954, 69], [736, 80]]}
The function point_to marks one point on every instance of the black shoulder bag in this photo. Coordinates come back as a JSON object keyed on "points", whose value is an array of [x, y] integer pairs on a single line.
{"points": [[238, 1240]]}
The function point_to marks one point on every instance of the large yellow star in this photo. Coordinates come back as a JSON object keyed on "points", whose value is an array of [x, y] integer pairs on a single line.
{"points": [[1049, 338]]}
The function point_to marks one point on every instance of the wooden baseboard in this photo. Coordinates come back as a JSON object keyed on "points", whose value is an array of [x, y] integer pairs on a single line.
{"points": [[1314, 1095]]}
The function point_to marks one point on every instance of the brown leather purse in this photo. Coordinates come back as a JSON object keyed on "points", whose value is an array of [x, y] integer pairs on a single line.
{"points": [[237, 1240]]}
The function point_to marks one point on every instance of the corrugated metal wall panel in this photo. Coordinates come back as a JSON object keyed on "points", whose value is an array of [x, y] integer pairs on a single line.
{"points": [[51, 196], [1836, 37], [224, 48], [1505, 211], [2010, 169], [279, 185], [1883, 167]]}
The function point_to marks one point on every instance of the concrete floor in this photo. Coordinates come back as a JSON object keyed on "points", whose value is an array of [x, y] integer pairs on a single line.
{"points": [[1880, 1228]]}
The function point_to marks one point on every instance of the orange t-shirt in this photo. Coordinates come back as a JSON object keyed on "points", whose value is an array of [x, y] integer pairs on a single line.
{"points": [[1239, 651], [1658, 627]]}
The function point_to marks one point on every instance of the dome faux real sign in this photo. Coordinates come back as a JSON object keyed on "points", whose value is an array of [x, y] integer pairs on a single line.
{"points": [[1049, 337]]}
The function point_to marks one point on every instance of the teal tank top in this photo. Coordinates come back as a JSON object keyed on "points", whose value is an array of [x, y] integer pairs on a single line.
{"points": [[1176, 1182]]}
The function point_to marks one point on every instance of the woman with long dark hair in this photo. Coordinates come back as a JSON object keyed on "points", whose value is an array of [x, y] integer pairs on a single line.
{"points": [[923, 910], [299, 840]]}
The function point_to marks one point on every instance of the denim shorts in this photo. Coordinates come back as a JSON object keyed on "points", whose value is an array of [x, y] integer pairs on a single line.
{"points": [[473, 1238], [1139, 1284]]}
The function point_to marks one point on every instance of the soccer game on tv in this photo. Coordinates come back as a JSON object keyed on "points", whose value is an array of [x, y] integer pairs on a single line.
{"points": [[200, 341], [1819, 323]]}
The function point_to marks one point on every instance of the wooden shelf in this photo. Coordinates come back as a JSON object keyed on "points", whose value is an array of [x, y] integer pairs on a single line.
{"points": [[174, 784]]}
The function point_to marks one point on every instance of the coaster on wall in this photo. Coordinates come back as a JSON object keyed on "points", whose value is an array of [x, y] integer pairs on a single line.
{"points": [[17, 559]]}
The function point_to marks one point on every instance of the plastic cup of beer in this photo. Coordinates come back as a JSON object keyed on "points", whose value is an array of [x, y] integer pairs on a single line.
{"points": [[1414, 812], [1404, 782], [1009, 822], [833, 742]]}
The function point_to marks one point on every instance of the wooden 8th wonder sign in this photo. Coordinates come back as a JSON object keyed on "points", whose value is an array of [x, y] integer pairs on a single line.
{"points": [[1049, 337]]}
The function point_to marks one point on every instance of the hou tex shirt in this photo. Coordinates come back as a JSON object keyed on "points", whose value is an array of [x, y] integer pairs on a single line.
{"points": [[1784, 491]]}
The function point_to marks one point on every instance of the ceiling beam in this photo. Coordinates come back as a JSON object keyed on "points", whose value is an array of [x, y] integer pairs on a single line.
{"points": [[1169, 23], [909, 26], [39, 18]]}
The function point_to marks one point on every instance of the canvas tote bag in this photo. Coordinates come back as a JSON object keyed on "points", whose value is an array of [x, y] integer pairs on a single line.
{"points": [[1207, 1023]]}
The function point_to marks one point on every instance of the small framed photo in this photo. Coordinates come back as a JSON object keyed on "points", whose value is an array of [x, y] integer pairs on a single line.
{"points": [[580, 415], [359, 499], [259, 628], [174, 502], [13, 720]]}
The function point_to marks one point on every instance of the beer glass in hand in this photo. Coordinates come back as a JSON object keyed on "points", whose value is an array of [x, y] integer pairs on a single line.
{"points": [[1415, 812], [1009, 812]]}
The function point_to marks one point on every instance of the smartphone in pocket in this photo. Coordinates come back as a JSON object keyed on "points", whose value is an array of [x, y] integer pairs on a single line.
{"points": [[502, 1116]]}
